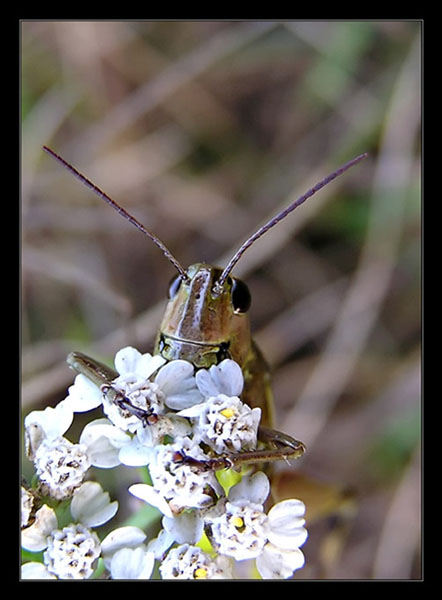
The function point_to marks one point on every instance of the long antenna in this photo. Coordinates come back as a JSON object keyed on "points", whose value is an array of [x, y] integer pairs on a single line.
{"points": [[88, 183], [262, 230]]}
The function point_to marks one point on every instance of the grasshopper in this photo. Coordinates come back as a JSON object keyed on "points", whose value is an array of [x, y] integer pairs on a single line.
{"points": [[206, 321]]}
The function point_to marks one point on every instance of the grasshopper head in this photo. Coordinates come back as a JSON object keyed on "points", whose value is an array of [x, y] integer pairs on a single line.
{"points": [[204, 322]]}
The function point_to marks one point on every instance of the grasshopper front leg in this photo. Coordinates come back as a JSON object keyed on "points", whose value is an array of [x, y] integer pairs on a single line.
{"points": [[97, 372], [280, 446], [102, 376]]}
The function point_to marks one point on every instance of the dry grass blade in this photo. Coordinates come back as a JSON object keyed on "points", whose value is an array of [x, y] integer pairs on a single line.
{"points": [[367, 291]]}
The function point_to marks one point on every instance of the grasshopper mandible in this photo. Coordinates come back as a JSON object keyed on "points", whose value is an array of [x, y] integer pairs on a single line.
{"points": [[206, 321]]}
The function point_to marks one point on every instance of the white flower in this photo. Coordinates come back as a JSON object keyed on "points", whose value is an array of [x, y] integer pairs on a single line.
{"points": [[180, 484], [225, 423], [241, 529], [129, 404], [72, 551], [152, 496], [177, 486], [134, 371], [190, 562], [48, 424], [135, 392], [281, 556], [125, 556], [136, 453], [254, 488], [134, 386], [61, 466], [173, 386], [240, 532], [161, 544], [174, 382]]}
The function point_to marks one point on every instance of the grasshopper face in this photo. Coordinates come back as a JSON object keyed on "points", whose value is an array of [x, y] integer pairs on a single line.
{"points": [[202, 325]]}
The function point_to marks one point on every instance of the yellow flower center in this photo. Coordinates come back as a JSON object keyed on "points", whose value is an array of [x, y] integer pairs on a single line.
{"points": [[228, 413], [200, 573], [238, 522]]}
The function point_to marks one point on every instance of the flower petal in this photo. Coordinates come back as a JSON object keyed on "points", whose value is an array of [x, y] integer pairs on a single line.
{"points": [[135, 454], [84, 395], [129, 361], [193, 411], [171, 376], [286, 529], [281, 513], [132, 563], [126, 360], [273, 563], [53, 421], [35, 570], [34, 538], [178, 384], [225, 378], [186, 527], [150, 495], [160, 544], [255, 488], [291, 539], [184, 399], [122, 537], [206, 384], [148, 364], [91, 505], [104, 442], [229, 377]]}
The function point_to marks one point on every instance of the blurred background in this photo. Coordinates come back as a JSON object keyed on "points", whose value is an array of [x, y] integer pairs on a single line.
{"points": [[205, 130]]}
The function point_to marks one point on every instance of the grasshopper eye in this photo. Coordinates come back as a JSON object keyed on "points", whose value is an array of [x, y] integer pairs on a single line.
{"points": [[174, 286], [241, 298]]}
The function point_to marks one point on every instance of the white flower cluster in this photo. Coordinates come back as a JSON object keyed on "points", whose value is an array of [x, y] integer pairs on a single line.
{"points": [[70, 552], [173, 421]]}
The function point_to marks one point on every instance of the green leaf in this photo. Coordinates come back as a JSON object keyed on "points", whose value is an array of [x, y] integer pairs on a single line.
{"points": [[28, 556], [228, 478]]}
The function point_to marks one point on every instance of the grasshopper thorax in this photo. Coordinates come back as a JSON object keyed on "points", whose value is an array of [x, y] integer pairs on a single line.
{"points": [[202, 323]]}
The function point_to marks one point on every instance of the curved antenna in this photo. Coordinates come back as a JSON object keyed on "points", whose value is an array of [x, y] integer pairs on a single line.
{"points": [[262, 230], [88, 183]]}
